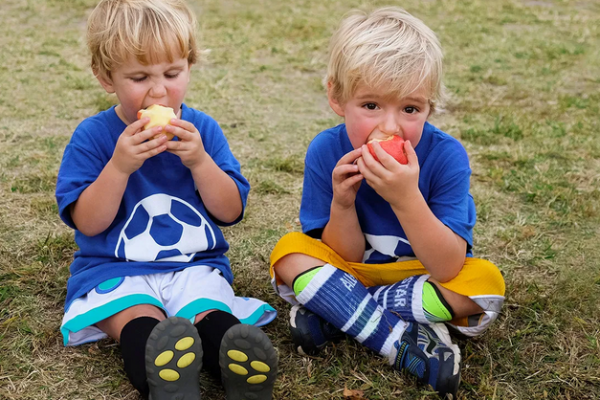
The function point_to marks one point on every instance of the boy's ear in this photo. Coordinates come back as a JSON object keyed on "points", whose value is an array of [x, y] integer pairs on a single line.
{"points": [[333, 102], [105, 81]]}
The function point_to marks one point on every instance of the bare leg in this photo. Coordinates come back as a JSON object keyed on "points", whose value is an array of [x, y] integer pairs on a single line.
{"points": [[462, 305], [292, 265], [114, 324]]}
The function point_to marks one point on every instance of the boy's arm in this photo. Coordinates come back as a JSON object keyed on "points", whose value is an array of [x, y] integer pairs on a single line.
{"points": [[98, 204], [219, 192], [438, 247], [441, 251], [343, 233]]}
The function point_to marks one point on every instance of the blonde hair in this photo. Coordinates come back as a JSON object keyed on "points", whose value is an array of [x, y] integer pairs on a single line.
{"points": [[152, 31], [387, 50]]}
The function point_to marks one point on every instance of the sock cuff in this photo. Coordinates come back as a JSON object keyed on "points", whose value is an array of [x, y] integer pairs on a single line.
{"points": [[417, 300], [303, 279], [438, 307], [217, 318], [389, 349], [136, 329], [315, 283]]}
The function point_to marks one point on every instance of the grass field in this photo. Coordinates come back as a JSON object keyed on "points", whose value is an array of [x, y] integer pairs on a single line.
{"points": [[524, 80]]}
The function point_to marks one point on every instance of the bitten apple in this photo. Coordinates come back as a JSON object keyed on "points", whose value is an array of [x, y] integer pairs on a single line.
{"points": [[159, 116], [394, 146]]}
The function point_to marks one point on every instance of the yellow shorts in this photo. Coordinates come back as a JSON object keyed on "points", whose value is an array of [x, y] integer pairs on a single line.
{"points": [[480, 280]]}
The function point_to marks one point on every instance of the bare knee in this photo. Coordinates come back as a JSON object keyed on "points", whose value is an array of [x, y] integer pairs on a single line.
{"points": [[114, 324], [463, 306], [292, 265]]}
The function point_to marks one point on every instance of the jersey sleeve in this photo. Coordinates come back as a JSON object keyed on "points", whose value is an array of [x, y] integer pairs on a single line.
{"points": [[83, 160], [216, 145], [317, 191]]}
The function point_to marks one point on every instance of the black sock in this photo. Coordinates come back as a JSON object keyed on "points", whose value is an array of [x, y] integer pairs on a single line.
{"points": [[211, 329], [134, 336]]}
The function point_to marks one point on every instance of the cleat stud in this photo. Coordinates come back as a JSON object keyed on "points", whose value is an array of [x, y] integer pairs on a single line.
{"points": [[237, 355], [184, 343], [186, 360]]}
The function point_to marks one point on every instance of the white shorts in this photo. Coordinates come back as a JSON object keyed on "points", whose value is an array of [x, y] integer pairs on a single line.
{"points": [[184, 293]]}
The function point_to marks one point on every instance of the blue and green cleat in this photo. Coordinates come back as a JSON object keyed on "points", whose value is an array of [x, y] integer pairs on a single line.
{"points": [[310, 333], [423, 352]]}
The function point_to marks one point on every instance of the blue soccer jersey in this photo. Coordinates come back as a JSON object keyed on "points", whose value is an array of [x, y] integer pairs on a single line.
{"points": [[443, 181], [162, 224]]}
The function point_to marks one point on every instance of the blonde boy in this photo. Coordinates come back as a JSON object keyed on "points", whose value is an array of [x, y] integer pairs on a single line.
{"points": [[394, 261], [146, 213]]}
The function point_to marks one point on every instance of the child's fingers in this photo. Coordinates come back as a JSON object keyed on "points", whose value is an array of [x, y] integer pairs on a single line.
{"points": [[368, 160], [148, 134], [182, 129], [364, 169], [151, 149], [188, 126], [341, 171], [136, 126], [176, 145], [151, 144], [353, 180], [410, 152], [379, 151], [181, 133], [350, 157]]}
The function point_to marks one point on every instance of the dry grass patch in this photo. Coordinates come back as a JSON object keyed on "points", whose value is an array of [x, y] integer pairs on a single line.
{"points": [[523, 80]]}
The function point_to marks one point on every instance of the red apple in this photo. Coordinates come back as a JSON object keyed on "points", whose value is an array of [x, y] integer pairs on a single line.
{"points": [[394, 146]]}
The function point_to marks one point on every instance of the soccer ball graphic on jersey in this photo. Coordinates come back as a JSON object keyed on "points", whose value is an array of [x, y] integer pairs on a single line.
{"points": [[384, 244], [164, 228]]}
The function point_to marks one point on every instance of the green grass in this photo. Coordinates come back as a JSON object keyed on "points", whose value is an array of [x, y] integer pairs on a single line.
{"points": [[523, 79]]}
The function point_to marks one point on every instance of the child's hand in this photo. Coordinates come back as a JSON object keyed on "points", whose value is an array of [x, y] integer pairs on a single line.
{"points": [[395, 182], [189, 147], [136, 145], [346, 179]]}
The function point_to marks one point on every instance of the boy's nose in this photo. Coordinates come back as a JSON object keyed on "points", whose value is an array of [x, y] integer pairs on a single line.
{"points": [[158, 90], [389, 124]]}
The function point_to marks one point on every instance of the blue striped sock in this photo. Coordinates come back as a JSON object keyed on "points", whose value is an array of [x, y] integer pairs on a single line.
{"points": [[340, 299], [408, 299]]}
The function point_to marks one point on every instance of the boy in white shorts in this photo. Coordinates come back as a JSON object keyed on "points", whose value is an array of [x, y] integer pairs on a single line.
{"points": [[151, 271]]}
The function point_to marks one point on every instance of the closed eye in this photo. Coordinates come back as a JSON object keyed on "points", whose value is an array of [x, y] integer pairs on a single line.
{"points": [[138, 79], [172, 76]]}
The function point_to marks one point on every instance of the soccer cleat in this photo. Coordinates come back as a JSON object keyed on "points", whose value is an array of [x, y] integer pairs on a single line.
{"points": [[423, 352], [310, 333], [248, 363], [173, 360]]}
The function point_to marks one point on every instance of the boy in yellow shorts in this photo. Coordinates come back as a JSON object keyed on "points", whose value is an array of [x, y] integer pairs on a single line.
{"points": [[386, 250]]}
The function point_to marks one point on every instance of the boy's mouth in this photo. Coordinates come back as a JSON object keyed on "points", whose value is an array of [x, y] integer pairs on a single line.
{"points": [[380, 138]]}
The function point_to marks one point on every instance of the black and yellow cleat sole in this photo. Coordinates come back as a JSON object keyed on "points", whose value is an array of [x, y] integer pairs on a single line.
{"points": [[248, 363], [173, 360]]}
